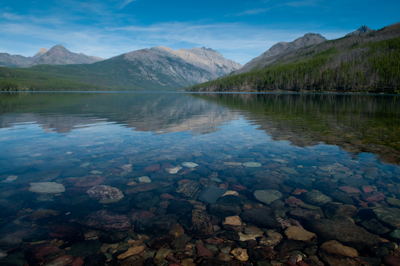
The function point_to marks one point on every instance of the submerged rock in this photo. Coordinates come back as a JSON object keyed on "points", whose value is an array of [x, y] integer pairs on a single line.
{"points": [[198, 224], [262, 217], [189, 164], [147, 187], [106, 220], [316, 198], [211, 194], [189, 189], [344, 231], [157, 225], [390, 216], [267, 196], [252, 164], [173, 170], [46, 187], [105, 194], [299, 234]]}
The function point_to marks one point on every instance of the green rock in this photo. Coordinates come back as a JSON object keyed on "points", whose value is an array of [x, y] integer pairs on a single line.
{"points": [[393, 201], [388, 215], [395, 233]]}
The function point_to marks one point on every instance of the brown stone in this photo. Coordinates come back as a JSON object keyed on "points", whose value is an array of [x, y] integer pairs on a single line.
{"points": [[299, 234], [132, 251], [334, 247]]}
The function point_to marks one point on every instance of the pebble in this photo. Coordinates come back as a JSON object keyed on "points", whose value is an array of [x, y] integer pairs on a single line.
{"points": [[252, 164], [144, 179], [240, 254], [189, 164]]}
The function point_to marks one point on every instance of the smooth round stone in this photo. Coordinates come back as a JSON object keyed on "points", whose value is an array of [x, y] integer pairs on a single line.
{"points": [[144, 179], [189, 164], [267, 196], [46, 187], [252, 164]]}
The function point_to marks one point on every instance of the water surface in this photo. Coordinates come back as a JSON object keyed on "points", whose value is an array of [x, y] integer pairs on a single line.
{"points": [[345, 147]]}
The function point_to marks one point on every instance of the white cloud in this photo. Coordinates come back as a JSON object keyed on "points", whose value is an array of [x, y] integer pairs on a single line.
{"points": [[125, 3]]}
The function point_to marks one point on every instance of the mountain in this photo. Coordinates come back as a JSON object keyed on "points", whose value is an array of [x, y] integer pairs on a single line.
{"points": [[205, 58], [7, 60], [273, 53], [151, 69], [354, 63], [362, 30], [57, 55], [157, 68]]}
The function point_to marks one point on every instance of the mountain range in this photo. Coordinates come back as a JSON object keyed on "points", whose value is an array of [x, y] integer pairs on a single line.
{"points": [[157, 68], [297, 65], [57, 55]]}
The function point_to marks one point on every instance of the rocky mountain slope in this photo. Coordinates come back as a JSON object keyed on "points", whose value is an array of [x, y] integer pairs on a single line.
{"points": [[273, 53], [205, 58], [366, 62], [57, 55]]}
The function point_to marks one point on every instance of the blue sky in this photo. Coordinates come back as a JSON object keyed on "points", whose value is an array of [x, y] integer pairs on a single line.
{"points": [[240, 30]]}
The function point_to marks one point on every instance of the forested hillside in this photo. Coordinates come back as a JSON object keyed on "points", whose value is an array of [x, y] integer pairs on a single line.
{"points": [[365, 63]]}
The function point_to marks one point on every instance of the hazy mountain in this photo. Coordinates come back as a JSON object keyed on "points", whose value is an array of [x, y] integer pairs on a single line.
{"points": [[58, 55], [7, 60], [280, 48], [362, 30], [205, 58], [41, 52]]}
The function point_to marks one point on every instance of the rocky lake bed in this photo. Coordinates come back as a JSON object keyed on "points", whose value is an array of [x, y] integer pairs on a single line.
{"points": [[102, 193]]}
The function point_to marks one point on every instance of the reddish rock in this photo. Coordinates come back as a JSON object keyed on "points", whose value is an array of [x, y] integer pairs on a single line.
{"points": [[67, 232], [293, 200], [141, 214], [368, 189], [147, 187], [78, 262], [350, 190], [89, 181], [373, 197], [35, 255], [238, 187], [213, 241], [390, 260], [202, 251], [299, 191], [152, 168], [60, 261], [183, 181], [302, 263], [165, 196], [171, 257], [105, 194], [106, 220]]}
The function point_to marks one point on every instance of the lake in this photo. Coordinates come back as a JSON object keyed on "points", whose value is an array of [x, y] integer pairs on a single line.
{"points": [[199, 179]]}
